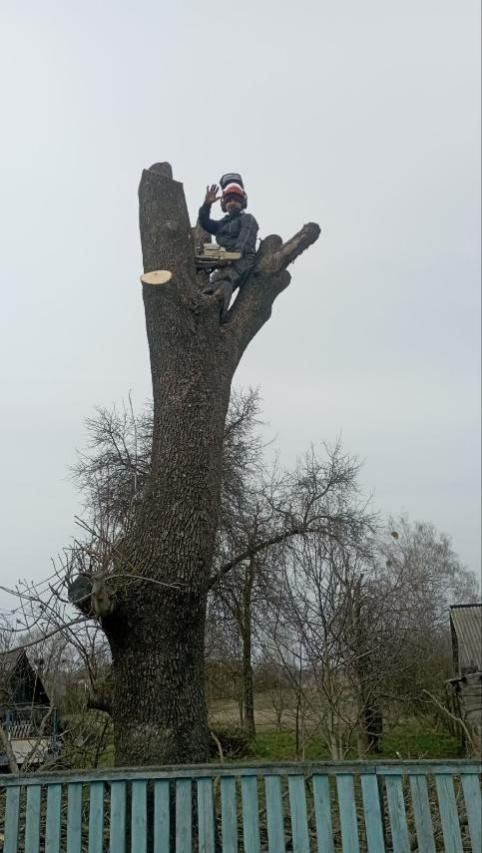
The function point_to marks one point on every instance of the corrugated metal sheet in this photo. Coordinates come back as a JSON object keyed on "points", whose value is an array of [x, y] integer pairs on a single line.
{"points": [[466, 620]]}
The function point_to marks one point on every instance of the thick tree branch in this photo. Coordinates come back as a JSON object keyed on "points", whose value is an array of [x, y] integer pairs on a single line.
{"points": [[252, 551], [319, 523], [273, 262], [268, 279]]}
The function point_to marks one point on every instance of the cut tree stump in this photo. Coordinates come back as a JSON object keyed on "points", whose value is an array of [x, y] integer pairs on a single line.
{"points": [[156, 277]]}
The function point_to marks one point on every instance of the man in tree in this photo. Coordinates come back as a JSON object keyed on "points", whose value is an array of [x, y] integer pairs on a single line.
{"points": [[235, 232]]}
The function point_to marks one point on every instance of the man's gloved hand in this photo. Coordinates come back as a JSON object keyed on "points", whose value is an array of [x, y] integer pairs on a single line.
{"points": [[212, 194]]}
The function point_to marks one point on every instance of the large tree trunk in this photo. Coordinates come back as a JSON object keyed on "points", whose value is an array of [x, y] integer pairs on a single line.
{"points": [[159, 709], [155, 623]]}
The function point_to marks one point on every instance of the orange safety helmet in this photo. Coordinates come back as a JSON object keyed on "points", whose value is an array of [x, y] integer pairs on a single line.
{"points": [[234, 189]]}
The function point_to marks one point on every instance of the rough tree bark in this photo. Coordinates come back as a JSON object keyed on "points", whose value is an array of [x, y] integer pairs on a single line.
{"points": [[155, 622]]}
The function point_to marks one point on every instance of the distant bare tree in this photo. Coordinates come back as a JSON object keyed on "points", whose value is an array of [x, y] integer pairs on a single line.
{"points": [[319, 498], [359, 630], [419, 576]]}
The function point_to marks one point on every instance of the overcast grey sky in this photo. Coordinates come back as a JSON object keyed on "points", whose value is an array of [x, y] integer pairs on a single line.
{"points": [[364, 117]]}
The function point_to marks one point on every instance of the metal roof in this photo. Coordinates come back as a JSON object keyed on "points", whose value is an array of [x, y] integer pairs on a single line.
{"points": [[9, 660], [466, 621]]}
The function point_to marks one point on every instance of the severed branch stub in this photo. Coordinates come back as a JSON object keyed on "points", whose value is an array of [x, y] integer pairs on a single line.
{"points": [[89, 593], [156, 277], [268, 279], [276, 256]]}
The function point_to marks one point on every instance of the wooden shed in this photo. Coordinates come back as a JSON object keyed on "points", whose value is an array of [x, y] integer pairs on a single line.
{"points": [[466, 631], [20, 683], [26, 715]]}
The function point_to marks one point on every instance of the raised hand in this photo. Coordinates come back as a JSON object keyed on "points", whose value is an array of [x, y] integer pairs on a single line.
{"points": [[212, 194]]}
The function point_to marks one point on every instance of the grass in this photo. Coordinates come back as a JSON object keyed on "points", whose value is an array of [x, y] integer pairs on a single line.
{"points": [[281, 746], [410, 739]]}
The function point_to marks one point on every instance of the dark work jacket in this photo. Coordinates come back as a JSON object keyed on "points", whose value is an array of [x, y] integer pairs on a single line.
{"points": [[235, 232]]}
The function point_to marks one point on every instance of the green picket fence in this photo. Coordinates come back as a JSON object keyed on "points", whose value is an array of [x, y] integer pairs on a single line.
{"points": [[425, 806]]}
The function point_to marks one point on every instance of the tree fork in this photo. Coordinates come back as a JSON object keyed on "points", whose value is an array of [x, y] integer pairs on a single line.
{"points": [[156, 626]]}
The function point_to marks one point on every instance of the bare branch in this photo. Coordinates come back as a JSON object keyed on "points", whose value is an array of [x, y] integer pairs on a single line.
{"points": [[251, 552], [40, 639], [453, 717]]}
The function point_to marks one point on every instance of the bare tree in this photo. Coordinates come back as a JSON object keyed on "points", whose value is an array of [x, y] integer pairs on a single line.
{"points": [[419, 576], [318, 498], [360, 630], [312, 635]]}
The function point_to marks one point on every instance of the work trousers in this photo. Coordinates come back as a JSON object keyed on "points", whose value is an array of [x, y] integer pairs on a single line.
{"points": [[227, 279]]}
